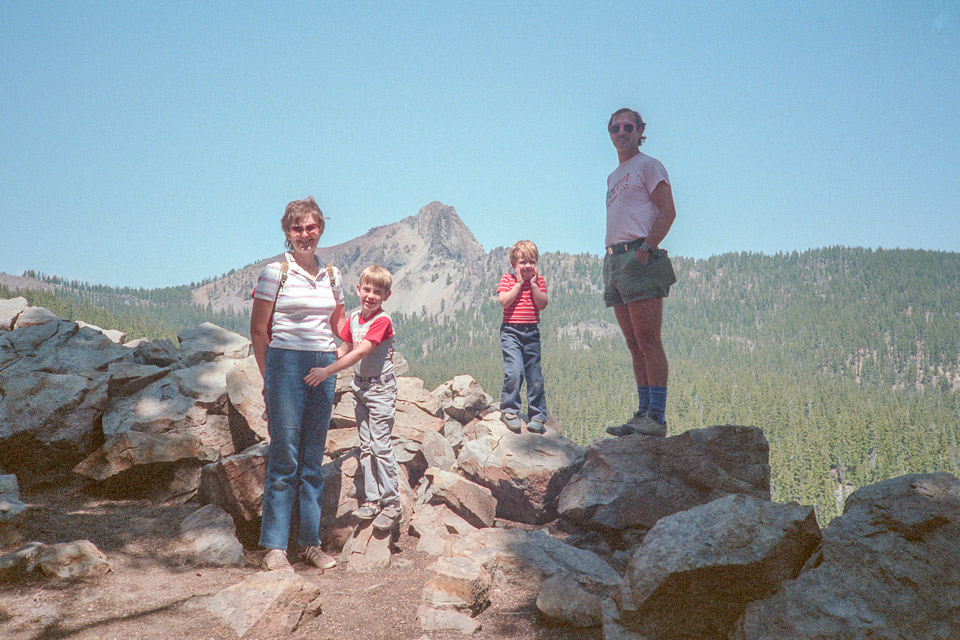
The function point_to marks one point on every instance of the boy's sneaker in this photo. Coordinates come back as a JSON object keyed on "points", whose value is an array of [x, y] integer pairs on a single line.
{"points": [[536, 426], [513, 422], [276, 560], [368, 511], [388, 517], [640, 423]]}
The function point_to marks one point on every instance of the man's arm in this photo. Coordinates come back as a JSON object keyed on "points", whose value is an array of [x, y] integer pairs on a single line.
{"points": [[662, 197]]}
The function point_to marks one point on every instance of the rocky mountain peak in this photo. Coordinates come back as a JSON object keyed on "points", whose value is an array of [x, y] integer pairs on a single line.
{"points": [[445, 233]]}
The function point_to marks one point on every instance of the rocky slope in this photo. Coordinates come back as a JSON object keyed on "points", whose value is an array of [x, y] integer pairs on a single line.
{"points": [[645, 537]]}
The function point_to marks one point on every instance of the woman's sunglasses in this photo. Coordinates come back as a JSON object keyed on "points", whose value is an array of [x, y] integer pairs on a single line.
{"points": [[310, 228]]}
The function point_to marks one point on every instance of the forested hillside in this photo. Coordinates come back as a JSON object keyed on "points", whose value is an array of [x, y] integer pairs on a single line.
{"points": [[141, 313], [849, 359]]}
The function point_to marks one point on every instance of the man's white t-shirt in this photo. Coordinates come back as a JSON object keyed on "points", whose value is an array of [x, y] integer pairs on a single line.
{"points": [[630, 210]]}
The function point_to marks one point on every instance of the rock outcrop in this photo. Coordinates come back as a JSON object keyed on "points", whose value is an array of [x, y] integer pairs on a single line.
{"points": [[524, 472], [889, 567], [632, 482], [697, 570], [265, 605], [656, 537]]}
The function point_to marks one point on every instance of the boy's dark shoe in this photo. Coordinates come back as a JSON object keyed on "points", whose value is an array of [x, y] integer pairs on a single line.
{"points": [[368, 511], [536, 426], [513, 422], [388, 517]]}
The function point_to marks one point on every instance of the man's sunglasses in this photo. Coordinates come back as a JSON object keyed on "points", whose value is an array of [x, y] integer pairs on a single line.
{"points": [[310, 228], [627, 128]]}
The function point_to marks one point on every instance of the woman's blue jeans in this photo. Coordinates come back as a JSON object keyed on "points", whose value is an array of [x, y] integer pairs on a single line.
{"points": [[297, 418], [520, 344]]}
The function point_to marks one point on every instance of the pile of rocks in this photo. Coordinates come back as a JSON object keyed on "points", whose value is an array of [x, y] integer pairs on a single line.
{"points": [[649, 537]]}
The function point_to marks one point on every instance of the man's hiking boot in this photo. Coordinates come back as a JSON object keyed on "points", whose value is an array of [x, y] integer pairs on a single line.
{"points": [[513, 422], [640, 423]]}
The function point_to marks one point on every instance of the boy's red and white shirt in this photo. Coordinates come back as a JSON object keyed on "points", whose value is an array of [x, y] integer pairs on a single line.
{"points": [[523, 310]]}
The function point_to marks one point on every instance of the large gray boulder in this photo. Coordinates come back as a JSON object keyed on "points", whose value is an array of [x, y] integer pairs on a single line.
{"points": [[159, 407], [563, 601], [208, 342], [889, 567], [634, 481], [457, 584], [209, 536], [206, 384], [469, 500], [696, 570], [166, 466], [189, 401], [236, 484], [434, 525], [410, 391], [245, 405], [525, 559], [58, 346], [269, 604], [77, 559], [48, 421], [525, 472]]}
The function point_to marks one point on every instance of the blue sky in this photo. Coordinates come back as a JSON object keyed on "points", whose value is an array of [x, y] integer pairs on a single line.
{"points": [[151, 144]]}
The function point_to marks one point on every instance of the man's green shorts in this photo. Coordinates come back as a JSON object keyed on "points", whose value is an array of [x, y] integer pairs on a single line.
{"points": [[625, 279]]}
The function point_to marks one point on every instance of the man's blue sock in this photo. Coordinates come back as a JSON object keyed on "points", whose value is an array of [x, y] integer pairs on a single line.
{"points": [[643, 394], [658, 404]]}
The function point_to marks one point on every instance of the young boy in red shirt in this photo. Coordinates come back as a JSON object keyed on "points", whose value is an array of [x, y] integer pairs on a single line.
{"points": [[522, 294]]}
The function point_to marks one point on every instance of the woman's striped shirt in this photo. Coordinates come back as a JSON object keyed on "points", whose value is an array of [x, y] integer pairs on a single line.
{"points": [[301, 317]]}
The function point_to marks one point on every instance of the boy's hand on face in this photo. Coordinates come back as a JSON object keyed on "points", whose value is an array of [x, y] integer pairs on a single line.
{"points": [[527, 272], [316, 376]]}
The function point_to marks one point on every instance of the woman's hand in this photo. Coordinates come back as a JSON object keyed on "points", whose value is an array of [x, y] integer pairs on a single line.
{"points": [[316, 376]]}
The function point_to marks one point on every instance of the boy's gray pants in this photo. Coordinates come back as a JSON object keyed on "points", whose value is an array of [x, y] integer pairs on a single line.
{"points": [[375, 411]]}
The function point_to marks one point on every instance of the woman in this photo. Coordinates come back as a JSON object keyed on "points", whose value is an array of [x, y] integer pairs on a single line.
{"points": [[297, 309]]}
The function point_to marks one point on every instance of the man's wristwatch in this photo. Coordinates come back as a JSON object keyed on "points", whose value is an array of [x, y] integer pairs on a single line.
{"points": [[646, 247]]}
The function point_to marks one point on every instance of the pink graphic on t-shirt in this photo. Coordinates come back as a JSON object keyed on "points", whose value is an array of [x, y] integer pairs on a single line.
{"points": [[622, 185]]}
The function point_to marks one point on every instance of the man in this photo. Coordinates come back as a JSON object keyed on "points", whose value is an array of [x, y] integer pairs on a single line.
{"points": [[637, 274]]}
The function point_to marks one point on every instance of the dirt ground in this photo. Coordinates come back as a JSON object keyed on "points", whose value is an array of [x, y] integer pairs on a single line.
{"points": [[144, 595]]}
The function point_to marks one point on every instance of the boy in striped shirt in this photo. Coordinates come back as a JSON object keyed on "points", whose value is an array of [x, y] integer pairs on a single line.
{"points": [[522, 294]]}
